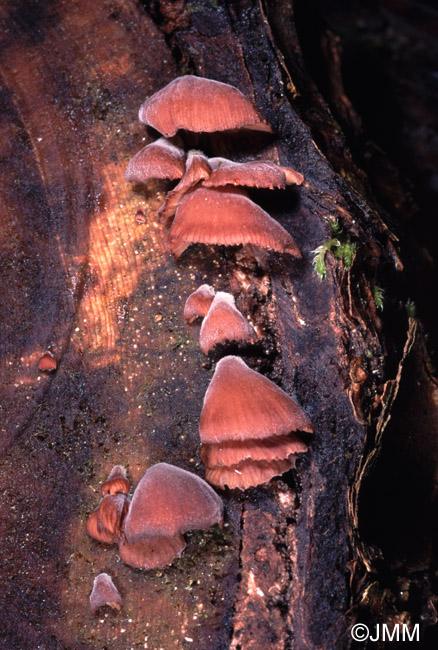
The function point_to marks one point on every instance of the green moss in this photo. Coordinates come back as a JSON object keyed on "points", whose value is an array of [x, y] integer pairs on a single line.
{"points": [[379, 297], [340, 246]]}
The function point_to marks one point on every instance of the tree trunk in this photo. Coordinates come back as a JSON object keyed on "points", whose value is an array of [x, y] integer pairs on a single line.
{"points": [[296, 564]]}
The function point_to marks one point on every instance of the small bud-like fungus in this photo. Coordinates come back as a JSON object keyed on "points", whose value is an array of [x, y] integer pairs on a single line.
{"points": [[223, 323], [160, 159], [104, 593], [105, 523], [47, 363], [198, 303], [200, 105], [116, 482], [226, 216], [247, 427], [256, 173], [167, 502]]}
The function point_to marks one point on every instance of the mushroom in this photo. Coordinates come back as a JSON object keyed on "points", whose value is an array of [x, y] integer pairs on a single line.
{"points": [[104, 592], [226, 216], [198, 303], [116, 482], [200, 105], [47, 363], [167, 502], [247, 427], [160, 159], [223, 323], [256, 173], [197, 169], [105, 522]]}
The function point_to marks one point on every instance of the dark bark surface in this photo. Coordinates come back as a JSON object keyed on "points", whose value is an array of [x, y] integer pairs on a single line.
{"points": [[81, 278]]}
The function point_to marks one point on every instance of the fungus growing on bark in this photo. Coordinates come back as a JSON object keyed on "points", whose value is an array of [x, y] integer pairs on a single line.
{"points": [[140, 217], [104, 592], [105, 522], [160, 159], [256, 173], [200, 105], [226, 216], [247, 427], [223, 323], [167, 502], [117, 481], [47, 363], [197, 169], [198, 303]]}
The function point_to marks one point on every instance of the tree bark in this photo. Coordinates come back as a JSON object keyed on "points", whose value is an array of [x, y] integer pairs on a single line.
{"points": [[293, 565]]}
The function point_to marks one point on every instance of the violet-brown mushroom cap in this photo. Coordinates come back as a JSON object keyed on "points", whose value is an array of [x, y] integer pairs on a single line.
{"points": [[240, 404], [116, 482], [160, 159], [227, 216], [47, 363], [198, 303], [200, 105], [105, 522], [224, 322], [249, 473], [197, 169], [233, 452], [104, 592], [170, 501], [152, 552], [256, 173]]}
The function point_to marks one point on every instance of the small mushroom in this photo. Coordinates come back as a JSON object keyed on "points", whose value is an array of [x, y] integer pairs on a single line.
{"points": [[167, 502], [197, 169], [104, 593], [226, 216], [105, 522], [117, 481], [256, 173], [47, 363], [160, 159], [140, 217], [223, 323], [248, 427], [200, 105], [198, 303]]}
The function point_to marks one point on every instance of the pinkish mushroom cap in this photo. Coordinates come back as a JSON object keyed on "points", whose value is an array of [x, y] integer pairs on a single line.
{"points": [[223, 323], [104, 593], [198, 303], [233, 452], [169, 501], [160, 159], [197, 169], [226, 216], [248, 473], [242, 404], [257, 173], [152, 552], [47, 363], [200, 105], [117, 481], [105, 522]]}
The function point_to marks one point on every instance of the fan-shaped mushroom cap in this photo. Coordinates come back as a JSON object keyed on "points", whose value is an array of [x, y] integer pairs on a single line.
{"points": [[153, 552], [160, 159], [227, 216], [197, 169], [116, 482], [257, 173], [104, 593], [198, 303], [169, 501], [248, 473], [242, 404], [47, 363], [224, 322], [233, 452], [105, 523], [200, 105]]}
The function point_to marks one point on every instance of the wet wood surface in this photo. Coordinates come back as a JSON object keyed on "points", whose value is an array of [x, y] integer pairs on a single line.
{"points": [[83, 279]]}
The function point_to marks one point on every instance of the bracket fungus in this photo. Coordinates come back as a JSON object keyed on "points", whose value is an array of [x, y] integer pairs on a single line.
{"points": [[105, 522], [226, 216], [116, 482], [223, 323], [104, 592], [160, 159], [256, 173], [198, 303], [200, 105], [247, 427]]}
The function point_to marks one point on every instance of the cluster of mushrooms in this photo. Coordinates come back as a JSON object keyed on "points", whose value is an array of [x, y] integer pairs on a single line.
{"points": [[250, 429]]}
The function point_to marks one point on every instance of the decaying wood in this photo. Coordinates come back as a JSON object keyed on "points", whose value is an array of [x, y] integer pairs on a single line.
{"points": [[83, 279]]}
